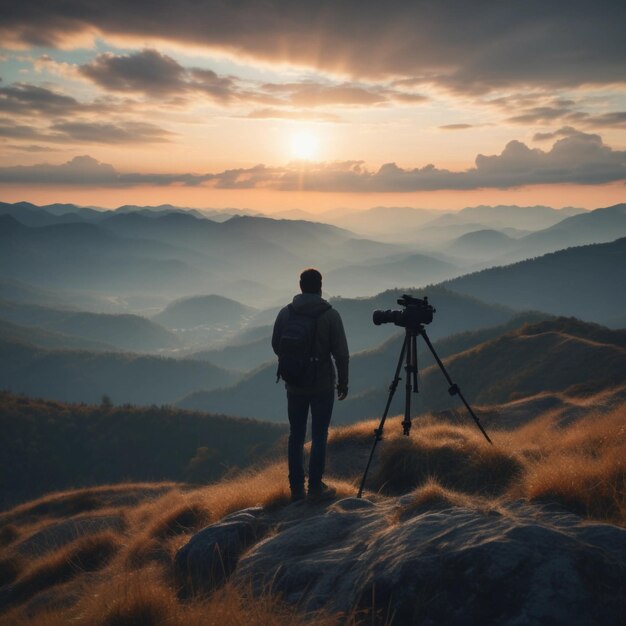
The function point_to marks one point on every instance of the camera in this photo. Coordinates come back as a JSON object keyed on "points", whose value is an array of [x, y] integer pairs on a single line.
{"points": [[416, 312]]}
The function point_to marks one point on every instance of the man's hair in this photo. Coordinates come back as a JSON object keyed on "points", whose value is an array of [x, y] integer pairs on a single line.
{"points": [[310, 281]]}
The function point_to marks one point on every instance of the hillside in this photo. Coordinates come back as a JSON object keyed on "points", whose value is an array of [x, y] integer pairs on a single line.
{"points": [[526, 507], [203, 310], [550, 356], [257, 393], [481, 244], [123, 331], [577, 281], [374, 277], [49, 446], [82, 376], [49, 339], [598, 226], [241, 356], [84, 256], [490, 365]]}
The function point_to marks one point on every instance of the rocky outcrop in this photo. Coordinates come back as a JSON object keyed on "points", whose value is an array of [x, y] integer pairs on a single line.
{"points": [[211, 555], [512, 565]]}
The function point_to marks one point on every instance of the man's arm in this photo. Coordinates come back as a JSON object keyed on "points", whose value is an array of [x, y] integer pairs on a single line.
{"points": [[278, 327], [340, 352]]}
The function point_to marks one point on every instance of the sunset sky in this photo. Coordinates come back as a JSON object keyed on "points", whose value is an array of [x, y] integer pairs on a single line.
{"points": [[313, 105]]}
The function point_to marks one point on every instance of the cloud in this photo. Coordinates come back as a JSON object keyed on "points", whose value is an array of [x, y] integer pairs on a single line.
{"points": [[559, 110], [147, 71], [87, 132], [94, 132], [82, 170], [158, 75], [615, 119], [576, 158], [456, 126], [466, 46], [21, 98], [566, 131]]}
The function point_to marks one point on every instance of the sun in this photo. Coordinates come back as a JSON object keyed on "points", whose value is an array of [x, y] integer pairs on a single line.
{"points": [[304, 145]]}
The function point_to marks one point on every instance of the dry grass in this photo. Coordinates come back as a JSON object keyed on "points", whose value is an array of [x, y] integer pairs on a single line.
{"points": [[84, 555], [126, 574], [580, 465], [72, 502], [455, 456]]}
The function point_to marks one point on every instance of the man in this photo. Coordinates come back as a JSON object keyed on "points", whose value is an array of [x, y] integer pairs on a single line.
{"points": [[316, 390]]}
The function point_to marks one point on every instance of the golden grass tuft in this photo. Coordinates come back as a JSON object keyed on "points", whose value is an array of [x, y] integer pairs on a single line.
{"points": [[461, 462], [594, 488], [144, 598], [185, 518], [84, 555]]}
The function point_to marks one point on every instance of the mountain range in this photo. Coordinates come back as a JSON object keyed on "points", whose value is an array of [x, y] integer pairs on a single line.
{"points": [[580, 281]]}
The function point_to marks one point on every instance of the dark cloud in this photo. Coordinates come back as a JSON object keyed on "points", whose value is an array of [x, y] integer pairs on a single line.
{"points": [[147, 71], [81, 170], [566, 131], [547, 114], [21, 98], [11, 130], [467, 46], [95, 132], [456, 126], [576, 158], [560, 111], [616, 119], [155, 74], [86, 132]]}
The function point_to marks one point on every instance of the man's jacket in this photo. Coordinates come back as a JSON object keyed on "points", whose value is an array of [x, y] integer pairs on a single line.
{"points": [[330, 341]]}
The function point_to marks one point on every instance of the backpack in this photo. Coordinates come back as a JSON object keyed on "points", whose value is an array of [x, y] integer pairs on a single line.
{"points": [[297, 361]]}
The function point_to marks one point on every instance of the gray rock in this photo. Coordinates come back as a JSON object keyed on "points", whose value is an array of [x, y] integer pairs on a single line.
{"points": [[515, 566], [210, 556]]}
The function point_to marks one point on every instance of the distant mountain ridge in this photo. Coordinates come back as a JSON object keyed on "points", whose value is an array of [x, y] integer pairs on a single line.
{"points": [[202, 309], [579, 281], [84, 376], [123, 331]]}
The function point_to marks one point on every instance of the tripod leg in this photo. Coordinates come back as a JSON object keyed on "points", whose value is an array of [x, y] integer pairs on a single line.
{"points": [[454, 388], [378, 432], [411, 379]]}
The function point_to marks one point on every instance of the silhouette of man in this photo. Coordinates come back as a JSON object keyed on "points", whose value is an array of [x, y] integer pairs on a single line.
{"points": [[317, 394]]}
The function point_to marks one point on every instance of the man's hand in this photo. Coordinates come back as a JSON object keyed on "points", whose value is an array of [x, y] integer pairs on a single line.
{"points": [[342, 392]]}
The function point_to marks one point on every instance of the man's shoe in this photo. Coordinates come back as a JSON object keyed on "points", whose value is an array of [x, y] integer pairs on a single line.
{"points": [[321, 491], [297, 495]]}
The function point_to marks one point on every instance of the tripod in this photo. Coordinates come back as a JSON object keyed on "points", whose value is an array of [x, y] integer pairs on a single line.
{"points": [[408, 354]]}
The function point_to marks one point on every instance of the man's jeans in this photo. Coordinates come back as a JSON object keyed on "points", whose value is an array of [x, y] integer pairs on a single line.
{"points": [[298, 410]]}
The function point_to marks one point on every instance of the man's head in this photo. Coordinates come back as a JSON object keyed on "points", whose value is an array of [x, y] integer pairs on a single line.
{"points": [[311, 281]]}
